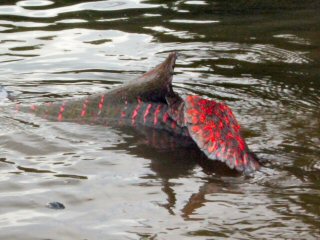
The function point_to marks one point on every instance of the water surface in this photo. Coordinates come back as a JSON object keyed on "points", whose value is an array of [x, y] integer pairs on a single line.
{"points": [[260, 57]]}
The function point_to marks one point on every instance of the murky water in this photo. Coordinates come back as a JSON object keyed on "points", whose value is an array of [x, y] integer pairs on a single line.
{"points": [[260, 57]]}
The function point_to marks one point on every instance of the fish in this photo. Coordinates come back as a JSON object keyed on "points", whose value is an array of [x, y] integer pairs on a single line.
{"points": [[150, 101]]}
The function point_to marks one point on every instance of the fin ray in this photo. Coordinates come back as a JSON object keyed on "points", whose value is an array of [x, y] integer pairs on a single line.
{"points": [[215, 130]]}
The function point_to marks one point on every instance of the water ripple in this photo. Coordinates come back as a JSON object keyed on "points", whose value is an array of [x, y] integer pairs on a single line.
{"points": [[252, 53], [34, 3], [260, 58], [112, 5]]}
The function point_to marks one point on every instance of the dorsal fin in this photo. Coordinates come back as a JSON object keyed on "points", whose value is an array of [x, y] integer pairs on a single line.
{"points": [[154, 85]]}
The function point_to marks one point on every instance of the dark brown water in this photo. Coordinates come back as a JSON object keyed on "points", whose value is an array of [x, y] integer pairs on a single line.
{"points": [[261, 57]]}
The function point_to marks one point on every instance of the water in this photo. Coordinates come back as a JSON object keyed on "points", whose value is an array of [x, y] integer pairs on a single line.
{"points": [[260, 57]]}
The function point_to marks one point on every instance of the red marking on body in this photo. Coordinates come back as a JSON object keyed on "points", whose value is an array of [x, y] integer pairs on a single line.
{"points": [[84, 108], [156, 114], [101, 102], [174, 125], [60, 115], [62, 108], [136, 111], [33, 107], [123, 114], [147, 112], [165, 117]]}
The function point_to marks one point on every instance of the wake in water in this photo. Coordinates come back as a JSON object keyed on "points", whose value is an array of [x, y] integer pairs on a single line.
{"points": [[5, 95]]}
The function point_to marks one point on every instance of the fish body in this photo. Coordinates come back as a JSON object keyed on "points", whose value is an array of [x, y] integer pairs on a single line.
{"points": [[150, 101]]}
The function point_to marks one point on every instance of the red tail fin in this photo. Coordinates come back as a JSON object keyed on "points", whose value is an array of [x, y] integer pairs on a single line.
{"points": [[214, 128]]}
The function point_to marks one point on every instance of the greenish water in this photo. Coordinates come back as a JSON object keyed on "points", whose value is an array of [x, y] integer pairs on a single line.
{"points": [[260, 57]]}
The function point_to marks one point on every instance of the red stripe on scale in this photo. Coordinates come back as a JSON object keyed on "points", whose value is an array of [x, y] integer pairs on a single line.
{"points": [[156, 115], [84, 108], [165, 117], [62, 108], [100, 106], [136, 111], [147, 112]]}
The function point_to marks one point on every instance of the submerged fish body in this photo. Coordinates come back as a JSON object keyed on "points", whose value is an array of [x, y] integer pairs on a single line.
{"points": [[141, 102], [151, 102]]}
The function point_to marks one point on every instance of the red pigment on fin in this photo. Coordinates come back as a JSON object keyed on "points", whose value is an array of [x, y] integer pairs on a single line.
{"points": [[156, 115], [202, 118], [195, 120], [236, 162], [193, 112], [191, 100], [147, 112], [241, 143], [215, 129], [195, 128], [213, 147], [226, 119]]}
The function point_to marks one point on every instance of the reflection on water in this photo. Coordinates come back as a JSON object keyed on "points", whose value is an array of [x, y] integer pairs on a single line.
{"points": [[260, 57]]}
